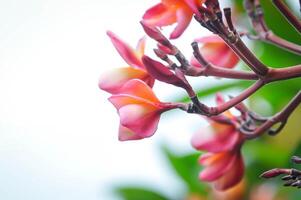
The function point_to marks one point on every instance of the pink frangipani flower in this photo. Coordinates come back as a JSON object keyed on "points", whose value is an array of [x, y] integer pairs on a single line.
{"points": [[223, 161], [114, 79], [172, 11], [216, 51], [139, 110]]}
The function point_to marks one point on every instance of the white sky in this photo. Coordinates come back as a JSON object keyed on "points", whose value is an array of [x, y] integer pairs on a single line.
{"points": [[58, 133]]}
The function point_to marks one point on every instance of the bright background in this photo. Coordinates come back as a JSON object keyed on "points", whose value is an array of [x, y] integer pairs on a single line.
{"points": [[58, 133]]}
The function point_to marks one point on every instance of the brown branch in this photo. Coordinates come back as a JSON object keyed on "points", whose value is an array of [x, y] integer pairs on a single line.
{"points": [[280, 42], [212, 23], [283, 73], [280, 117], [213, 111], [264, 34], [208, 69]]}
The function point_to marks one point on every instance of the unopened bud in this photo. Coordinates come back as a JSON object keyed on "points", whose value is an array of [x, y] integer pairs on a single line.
{"points": [[155, 34], [296, 159], [275, 172], [289, 183]]}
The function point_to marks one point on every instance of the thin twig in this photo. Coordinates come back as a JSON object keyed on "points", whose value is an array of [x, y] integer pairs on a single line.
{"points": [[285, 11], [264, 34], [280, 117]]}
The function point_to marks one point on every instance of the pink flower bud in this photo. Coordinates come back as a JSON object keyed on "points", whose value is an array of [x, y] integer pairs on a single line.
{"points": [[162, 73], [155, 34], [275, 172]]}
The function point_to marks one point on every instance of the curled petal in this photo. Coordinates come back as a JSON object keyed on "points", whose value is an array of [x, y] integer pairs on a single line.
{"points": [[216, 165], [195, 62], [216, 51], [142, 119], [121, 100], [113, 80], [125, 51], [233, 176], [165, 49], [209, 39], [219, 98], [216, 138], [183, 19], [138, 88], [172, 11], [141, 46], [127, 134], [194, 5], [159, 15], [155, 34]]}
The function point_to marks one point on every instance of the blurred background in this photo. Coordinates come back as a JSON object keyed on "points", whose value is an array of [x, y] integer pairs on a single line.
{"points": [[58, 133]]}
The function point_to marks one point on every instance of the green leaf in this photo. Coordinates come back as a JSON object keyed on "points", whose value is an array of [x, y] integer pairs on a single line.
{"points": [[214, 89], [260, 156], [278, 94], [187, 168], [139, 193]]}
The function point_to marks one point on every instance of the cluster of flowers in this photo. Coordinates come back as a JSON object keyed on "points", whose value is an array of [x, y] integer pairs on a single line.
{"points": [[140, 110]]}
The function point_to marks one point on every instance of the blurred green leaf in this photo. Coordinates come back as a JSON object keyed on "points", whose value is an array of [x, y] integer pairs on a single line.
{"points": [[274, 93], [261, 156], [272, 55], [139, 193], [216, 88], [187, 168]]}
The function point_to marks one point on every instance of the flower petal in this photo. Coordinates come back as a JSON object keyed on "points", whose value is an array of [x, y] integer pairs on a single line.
{"points": [[155, 34], [138, 88], [159, 15], [127, 134], [193, 5], [216, 51], [113, 80], [233, 176], [216, 138], [121, 100], [141, 46], [219, 99], [156, 10], [183, 18], [126, 52], [141, 119], [209, 39], [194, 62], [216, 165]]}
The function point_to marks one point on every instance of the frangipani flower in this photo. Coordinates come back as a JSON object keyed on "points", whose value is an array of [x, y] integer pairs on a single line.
{"points": [[139, 110], [223, 162], [216, 51], [114, 79], [172, 11]]}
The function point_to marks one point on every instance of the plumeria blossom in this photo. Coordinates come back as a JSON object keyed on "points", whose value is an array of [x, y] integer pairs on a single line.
{"points": [[223, 162], [114, 79], [172, 11], [216, 51], [139, 110]]}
